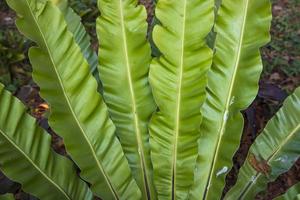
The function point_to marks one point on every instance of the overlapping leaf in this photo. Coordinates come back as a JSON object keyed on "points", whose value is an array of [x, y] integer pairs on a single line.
{"points": [[26, 157], [80, 35], [242, 27], [275, 150], [124, 58], [178, 80], [78, 113]]}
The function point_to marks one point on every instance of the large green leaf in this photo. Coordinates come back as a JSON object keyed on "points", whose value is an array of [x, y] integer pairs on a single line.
{"points": [[178, 80], [275, 150], [78, 112], [242, 27], [26, 157], [80, 35], [124, 58], [293, 193]]}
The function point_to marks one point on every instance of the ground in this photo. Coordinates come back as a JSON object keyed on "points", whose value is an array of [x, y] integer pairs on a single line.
{"points": [[281, 75]]}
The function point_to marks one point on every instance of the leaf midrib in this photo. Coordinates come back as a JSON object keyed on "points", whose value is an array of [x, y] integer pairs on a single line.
{"points": [[34, 165], [178, 105], [134, 108], [228, 100], [69, 103], [273, 155]]}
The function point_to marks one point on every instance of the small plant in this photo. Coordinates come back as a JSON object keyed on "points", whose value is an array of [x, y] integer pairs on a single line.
{"points": [[143, 127]]}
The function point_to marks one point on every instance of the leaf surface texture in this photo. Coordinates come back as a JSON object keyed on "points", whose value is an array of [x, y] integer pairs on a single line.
{"points": [[178, 80], [124, 57], [78, 112], [242, 27], [80, 35], [26, 156]]}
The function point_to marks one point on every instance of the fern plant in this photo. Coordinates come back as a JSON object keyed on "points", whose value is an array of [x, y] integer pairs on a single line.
{"points": [[140, 126]]}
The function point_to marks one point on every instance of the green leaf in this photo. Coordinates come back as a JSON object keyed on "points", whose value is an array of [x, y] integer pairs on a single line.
{"points": [[242, 27], [26, 157], [275, 150], [80, 35], [124, 58], [178, 80], [78, 112], [292, 193]]}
